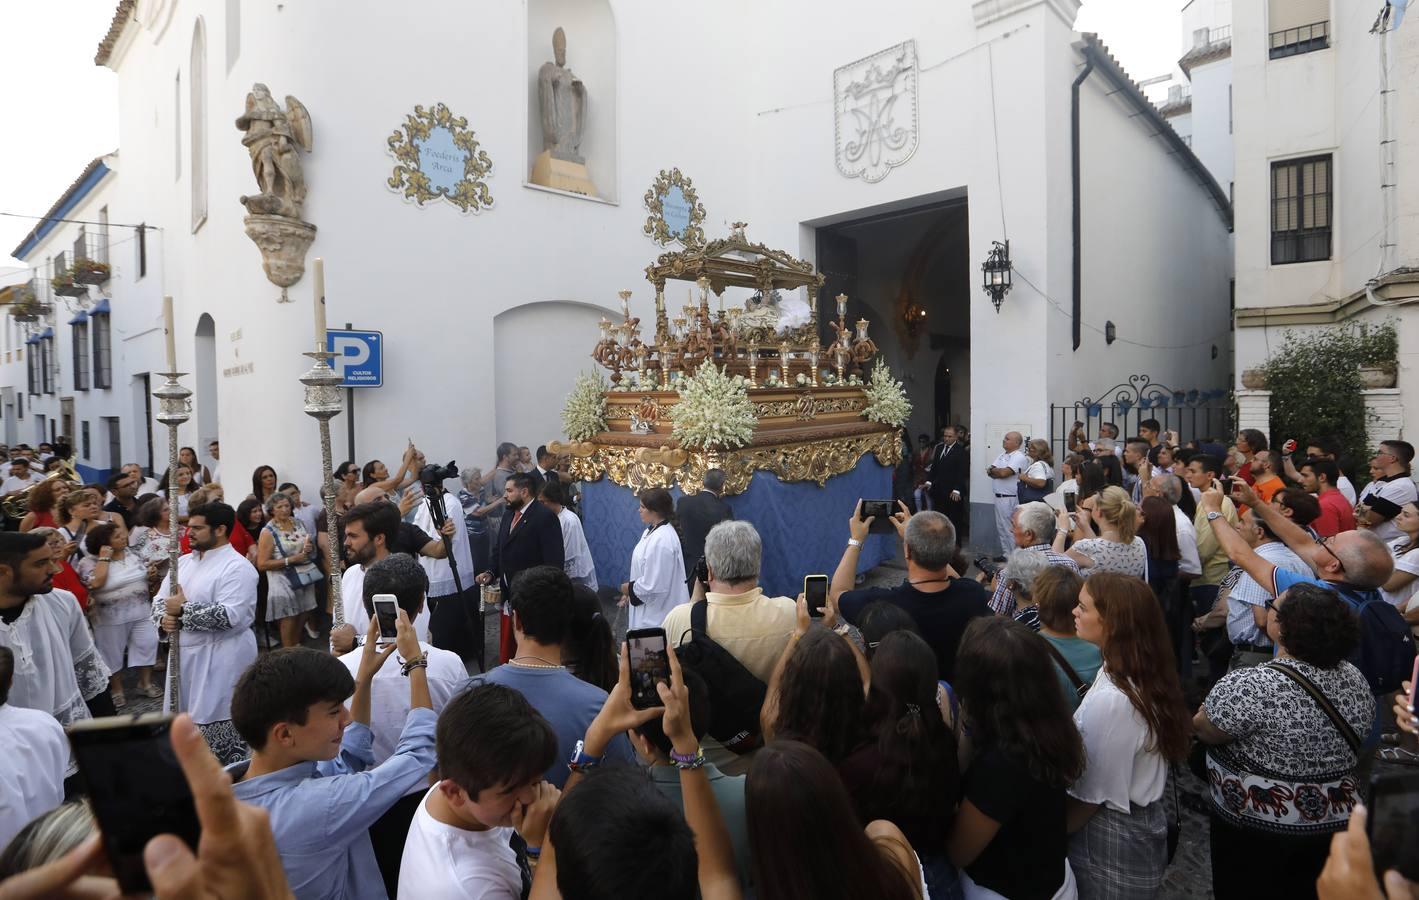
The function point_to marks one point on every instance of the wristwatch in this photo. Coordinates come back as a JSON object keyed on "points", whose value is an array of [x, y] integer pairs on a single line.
{"points": [[581, 761], [854, 542], [1213, 515]]}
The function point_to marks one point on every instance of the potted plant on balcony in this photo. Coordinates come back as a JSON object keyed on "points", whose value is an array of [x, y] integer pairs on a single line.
{"points": [[1379, 354], [26, 307], [65, 286], [90, 271]]}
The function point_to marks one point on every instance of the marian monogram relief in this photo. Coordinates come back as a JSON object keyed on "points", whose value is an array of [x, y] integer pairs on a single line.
{"points": [[874, 112]]}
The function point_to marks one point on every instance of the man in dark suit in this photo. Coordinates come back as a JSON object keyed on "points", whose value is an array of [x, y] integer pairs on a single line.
{"points": [[949, 477], [697, 514], [529, 535]]}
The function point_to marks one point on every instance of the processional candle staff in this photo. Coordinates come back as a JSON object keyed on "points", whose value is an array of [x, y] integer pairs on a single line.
{"points": [[322, 402], [174, 408]]}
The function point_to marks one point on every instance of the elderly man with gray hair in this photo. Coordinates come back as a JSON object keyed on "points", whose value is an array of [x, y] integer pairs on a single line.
{"points": [[1032, 528], [753, 627], [941, 602]]}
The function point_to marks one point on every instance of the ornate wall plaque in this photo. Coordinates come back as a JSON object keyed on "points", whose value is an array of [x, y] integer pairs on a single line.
{"points": [[439, 157], [875, 112], [676, 213]]}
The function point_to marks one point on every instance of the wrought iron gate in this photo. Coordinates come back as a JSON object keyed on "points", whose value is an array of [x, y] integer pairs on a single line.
{"points": [[1194, 415]]}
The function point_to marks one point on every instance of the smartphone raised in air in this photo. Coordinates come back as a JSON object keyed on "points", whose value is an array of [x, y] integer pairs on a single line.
{"points": [[650, 664], [136, 787], [815, 591], [1071, 501], [386, 611], [880, 512], [1393, 822], [1413, 683], [1226, 487]]}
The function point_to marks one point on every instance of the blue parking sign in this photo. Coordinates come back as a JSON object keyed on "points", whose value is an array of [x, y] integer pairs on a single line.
{"points": [[359, 357]]}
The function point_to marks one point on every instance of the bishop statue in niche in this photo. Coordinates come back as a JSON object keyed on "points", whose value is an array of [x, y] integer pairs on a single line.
{"points": [[562, 99]]}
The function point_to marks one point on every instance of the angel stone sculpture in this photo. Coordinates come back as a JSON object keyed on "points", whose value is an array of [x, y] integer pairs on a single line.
{"points": [[273, 137]]}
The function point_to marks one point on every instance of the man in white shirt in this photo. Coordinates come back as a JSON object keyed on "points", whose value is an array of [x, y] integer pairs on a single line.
{"points": [[1394, 484], [146, 485], [215, 607], [1004, 475], [460, 844], [35, 760], [370, 529], [576, 554], [454, 621], [399, 574], [214, 450], [21, 477], [58, 671]]}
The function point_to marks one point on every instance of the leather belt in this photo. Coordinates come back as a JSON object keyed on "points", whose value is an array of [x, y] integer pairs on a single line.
{"points": [[1007, 495]]}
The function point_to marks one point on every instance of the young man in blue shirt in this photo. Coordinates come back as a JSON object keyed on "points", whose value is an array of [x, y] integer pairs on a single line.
{"points": [[310, 760]]}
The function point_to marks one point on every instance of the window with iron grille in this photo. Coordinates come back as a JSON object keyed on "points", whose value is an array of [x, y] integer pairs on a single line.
{"points": [[103, 368], [84, 439], [46, 364], [80, 341], [1297, 26], [1300, 210], [33, 369]]}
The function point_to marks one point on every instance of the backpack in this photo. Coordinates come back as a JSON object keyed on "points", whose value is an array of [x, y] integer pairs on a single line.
{"points": [[1385, 655], [736, 696]]}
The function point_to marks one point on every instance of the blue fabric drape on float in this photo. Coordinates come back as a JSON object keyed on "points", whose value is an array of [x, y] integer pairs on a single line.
{"points": [[803, 526]]}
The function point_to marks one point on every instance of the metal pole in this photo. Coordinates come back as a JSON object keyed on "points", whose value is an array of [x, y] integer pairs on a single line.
{"points": [[322, 401], [350, 413], [174, 408]]}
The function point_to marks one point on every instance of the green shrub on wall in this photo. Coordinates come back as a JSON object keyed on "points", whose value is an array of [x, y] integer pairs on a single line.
{"points": [[1316, 390]]}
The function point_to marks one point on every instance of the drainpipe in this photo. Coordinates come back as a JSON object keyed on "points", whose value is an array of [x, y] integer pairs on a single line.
{"points": [[1078, 302]]}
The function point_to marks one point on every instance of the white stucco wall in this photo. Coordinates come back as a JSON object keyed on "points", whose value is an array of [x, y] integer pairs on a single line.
{"points": [[748, 119]]}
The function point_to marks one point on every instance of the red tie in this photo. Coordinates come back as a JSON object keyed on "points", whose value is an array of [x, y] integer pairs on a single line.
{"points": [[515, 519]]}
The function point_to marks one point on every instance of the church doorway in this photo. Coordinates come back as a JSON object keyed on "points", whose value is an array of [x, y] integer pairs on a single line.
{"points": [[907, 271], [204, 353]]}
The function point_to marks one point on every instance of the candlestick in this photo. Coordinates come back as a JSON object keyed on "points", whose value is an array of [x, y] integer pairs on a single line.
{"points": [[625, 303], [842, 306], [753, 365], [783, 360], [169, 334], [318, 270], [174, 408]]}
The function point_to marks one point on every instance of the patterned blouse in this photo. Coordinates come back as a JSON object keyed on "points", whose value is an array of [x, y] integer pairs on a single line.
{"points": [[1288, 768], [1111, 556]]}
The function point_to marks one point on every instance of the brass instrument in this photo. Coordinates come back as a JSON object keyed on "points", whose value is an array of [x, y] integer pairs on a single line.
{"points": [[17, 505]]}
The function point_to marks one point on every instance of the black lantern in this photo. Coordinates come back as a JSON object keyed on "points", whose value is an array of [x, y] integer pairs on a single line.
{"points": [[996, 270]]}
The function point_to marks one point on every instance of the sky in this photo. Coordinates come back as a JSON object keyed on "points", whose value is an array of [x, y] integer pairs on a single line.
{"points": [[62, 110]]}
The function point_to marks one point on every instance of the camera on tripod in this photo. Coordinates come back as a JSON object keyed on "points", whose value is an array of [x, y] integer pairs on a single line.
{"points": [[433, 475]]}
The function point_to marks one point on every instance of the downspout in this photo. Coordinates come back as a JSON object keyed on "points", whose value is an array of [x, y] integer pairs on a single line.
{"points": [[1078, 301]]}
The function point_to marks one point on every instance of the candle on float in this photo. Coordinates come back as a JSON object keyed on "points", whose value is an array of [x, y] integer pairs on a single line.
{"points": [[320, 302], [169, 335]]}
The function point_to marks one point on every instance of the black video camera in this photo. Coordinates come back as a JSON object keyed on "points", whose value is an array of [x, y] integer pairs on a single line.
{"points": [[433, 475]]}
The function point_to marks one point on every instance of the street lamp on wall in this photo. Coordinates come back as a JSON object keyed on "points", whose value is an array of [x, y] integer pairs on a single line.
{"points": [[996, 273]]}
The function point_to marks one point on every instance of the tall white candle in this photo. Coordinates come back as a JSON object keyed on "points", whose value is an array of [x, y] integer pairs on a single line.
{"points": [[169, 335], [320, 302]]}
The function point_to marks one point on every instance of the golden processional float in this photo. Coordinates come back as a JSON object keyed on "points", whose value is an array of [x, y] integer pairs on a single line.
{"points": [[808, 405]]}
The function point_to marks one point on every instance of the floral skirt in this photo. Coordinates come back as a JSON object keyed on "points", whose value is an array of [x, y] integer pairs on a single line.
{"points": [[283, 600]]}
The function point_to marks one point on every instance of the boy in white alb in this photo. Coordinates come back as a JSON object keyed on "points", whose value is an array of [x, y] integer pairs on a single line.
{"points": [[33, 765], [476, 827]]}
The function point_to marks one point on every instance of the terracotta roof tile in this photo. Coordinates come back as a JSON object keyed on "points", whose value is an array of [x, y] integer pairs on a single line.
{"points": [[120, 19]]}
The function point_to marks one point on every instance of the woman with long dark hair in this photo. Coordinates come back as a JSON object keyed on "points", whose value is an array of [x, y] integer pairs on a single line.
{"points": [[200, 474], [808, 844], [590, 651], [1027, 753], [817, 694], [177, 486], [1134, 723], [263, 483], [656, 583], [908, 773], [1113, 470], [1091, 480], [1159, 529]]}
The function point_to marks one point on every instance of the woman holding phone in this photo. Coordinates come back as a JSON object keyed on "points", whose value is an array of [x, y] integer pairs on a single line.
{"points": [[1105, 532]]}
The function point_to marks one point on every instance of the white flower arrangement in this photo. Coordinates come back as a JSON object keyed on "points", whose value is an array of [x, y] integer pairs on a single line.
{"points": [[886, 400], [585, 413], [714, 411]]}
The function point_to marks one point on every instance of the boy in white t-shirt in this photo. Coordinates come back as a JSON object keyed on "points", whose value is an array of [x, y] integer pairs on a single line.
{"points": [[467, 838], [34, 762]]}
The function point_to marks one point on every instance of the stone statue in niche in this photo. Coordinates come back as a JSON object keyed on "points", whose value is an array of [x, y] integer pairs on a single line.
{"points": [[274, 137], [561, 96]]}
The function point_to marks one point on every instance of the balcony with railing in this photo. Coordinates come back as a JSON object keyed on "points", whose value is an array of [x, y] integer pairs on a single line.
{"points": [[1298, 40]]}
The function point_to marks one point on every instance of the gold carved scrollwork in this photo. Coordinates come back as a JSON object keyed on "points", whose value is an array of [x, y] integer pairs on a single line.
{"points": [[780, 408], [817, 461], [693, 234], [470, 193]]}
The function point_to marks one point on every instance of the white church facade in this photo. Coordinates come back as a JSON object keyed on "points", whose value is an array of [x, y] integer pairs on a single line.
{"points": [[893, 154]]}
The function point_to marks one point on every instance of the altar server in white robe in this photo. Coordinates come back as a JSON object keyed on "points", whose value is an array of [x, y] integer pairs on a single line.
{"points": [[576, 554], [215, 606], [35, 760], [657, 578], [57, 668]]}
